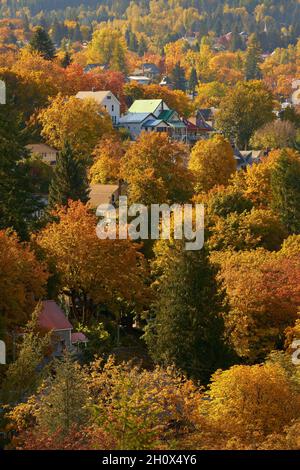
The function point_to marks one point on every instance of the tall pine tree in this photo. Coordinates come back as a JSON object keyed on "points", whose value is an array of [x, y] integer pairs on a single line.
{"points": [[193, 81], [17, 201], [187, 329], [69, 179], [178, 77], [42, 43], [253, 59]]}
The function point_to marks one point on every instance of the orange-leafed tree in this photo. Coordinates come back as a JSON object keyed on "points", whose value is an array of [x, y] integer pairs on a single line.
{"points": [[92, 271], [107, 159], [155, 169], [263, 289], [22, 280]]}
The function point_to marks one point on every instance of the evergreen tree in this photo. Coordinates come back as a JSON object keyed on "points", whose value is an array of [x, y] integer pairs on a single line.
{"points": [[69, 179], [285, 184], [178, 77], [133, 43], [26, 25], [42, 43], [142, 48], [65, 403], [236, 42], [187, 329], [17, 201], [77, 36], [193, 81], [66, 60], [24, 375], [253, 59]]}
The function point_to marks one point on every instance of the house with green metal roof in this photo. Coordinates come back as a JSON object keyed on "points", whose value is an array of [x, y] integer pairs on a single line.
{"points": [[148, 106], [153, 115]]}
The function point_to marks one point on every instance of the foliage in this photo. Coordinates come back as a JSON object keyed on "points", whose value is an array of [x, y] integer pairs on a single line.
{"points": [[211, 163], [22, 280], [80, 122], [187, 326], [92, 271], [245, 108], [69, 179], [155, 169]]}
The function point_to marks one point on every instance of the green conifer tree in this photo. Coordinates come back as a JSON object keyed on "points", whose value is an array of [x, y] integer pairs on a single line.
{"points": [[187, 329], [42, 43], [69, 179], [253, 59]]}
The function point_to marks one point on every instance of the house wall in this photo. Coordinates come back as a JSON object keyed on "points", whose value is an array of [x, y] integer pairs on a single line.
{"points": [[112, 106], [61, 339]]}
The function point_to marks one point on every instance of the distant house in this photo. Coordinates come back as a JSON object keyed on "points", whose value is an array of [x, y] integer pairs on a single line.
{"points": [[204, 117], [52, 318], [150, 70], [153, 115], [48, 154], [90, 67], [103, 194], [155, 107], [197, 130], [106, 99], [133, 122], [166, 82], [140, 79]]}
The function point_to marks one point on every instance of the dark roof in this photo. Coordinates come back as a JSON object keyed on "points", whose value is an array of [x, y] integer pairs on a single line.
{"points": [[52, 317]]}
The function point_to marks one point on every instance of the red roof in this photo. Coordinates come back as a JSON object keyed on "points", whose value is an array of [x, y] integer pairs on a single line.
{"points": [[78, 338], [52, 317]]}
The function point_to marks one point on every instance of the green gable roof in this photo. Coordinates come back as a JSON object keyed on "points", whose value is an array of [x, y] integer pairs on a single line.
{"points": [[166, 114], [144, 106]]}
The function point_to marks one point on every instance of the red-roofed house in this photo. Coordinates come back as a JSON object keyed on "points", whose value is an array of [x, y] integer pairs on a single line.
{"points": [[52, 318]]}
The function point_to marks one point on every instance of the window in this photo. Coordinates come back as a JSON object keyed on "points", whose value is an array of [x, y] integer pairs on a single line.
{"points": [[109, 97], [112, 107]]}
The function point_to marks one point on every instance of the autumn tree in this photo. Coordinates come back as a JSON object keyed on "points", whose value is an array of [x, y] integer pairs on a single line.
{"points": [[69, 179], [187, 326], [274, 135], [285, 185], [155, 169], [246, 107], [82, 123], [108, 47], [22, 280], [42, 43], [249, 403], [263, 293], [92, 271], [138, 406], [246, 231], [107, 160], [210, 94], [211, 163]]}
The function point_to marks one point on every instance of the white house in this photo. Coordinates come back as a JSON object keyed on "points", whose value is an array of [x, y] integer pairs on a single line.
{"points": [[48, 154], [106, 99], [133, 122], [140, 79]]}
